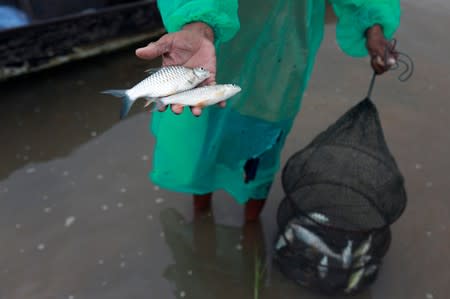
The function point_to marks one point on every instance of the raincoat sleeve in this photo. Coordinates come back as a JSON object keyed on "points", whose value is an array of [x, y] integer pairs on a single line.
{"points": [[220, 15], [356, 16]]}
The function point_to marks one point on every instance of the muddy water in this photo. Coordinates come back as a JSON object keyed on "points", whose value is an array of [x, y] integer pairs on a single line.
{"points": [[79, 218]]}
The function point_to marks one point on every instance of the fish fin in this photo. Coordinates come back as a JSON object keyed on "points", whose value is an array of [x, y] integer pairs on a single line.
{"points": [[153, 70], [158, 104], [150, 100], [127, 102]]}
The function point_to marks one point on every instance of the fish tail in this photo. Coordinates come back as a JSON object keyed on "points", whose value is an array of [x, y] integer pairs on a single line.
{"points": [[127, 102]]}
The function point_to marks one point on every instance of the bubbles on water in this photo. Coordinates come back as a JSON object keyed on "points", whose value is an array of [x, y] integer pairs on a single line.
{"points": [[140, 253], [27, 148], [182, 294], [159, 200], [162, 234], [101, 262], [150, 217], [428, 234], [41, 246], [429, 184], [99, 176], [189, 272], [44, 197], [22, 250], [65, 173], [69, 221], [429, 296], [104, 283], [30, 170], [120, 204], [47, 210], [156, 188], [105, 208], [123, 265], [18, 226], [144, 158], [123, 190], [238, 247], [418, 166], [93, 133]]}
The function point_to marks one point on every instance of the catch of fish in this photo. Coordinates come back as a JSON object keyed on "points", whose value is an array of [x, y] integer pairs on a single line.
{"points": [[174, 85], [355, 260]]}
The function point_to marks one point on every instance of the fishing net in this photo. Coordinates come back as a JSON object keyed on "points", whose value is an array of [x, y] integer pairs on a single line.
{"points": [[343, 191]]}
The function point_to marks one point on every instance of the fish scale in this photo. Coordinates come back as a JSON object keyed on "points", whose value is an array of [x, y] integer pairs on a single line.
{"points": [[201, 96], [166, 81]]}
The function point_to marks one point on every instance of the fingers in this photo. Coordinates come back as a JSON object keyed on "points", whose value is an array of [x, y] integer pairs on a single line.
{"points": [[155, 49]]}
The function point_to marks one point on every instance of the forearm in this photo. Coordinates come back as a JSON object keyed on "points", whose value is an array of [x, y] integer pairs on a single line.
{"points": [[355, 17]]}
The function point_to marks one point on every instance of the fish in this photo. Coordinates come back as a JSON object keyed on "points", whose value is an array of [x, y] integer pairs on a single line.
{"points": [[322, 268], [364, 248], [363, 260], [314, 241], [318, 217], [354, 280], [198, 97], [370, 270], [347, 255], [161, 82]]}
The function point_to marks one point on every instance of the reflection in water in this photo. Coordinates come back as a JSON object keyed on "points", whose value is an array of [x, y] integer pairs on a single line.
{"points": [[218, 261], [210, 261]]}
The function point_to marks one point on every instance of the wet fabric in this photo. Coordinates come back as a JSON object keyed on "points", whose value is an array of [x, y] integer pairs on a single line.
{"points": [[271, 58]]}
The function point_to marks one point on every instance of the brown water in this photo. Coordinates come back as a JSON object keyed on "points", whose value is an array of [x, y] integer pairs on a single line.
{"points": [[79, 218]]}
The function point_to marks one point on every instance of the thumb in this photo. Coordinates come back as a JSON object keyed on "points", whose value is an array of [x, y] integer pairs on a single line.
{"points": [[155, 49]]}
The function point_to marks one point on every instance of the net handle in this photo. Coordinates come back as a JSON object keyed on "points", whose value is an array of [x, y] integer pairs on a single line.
{"points": [[402, 58]]}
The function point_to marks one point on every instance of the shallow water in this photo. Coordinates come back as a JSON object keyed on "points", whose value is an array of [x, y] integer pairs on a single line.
{"points": [[79, 218]]}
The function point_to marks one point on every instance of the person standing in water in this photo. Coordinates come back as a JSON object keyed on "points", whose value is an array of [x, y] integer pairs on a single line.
{"points": [[268, 48]]}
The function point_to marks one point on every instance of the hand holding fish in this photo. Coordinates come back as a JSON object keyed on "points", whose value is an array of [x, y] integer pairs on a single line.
{"points": [[193, 46], [377, 45]]}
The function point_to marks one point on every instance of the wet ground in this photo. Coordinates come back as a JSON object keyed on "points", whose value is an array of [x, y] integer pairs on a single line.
{"points": [[79, 218]]}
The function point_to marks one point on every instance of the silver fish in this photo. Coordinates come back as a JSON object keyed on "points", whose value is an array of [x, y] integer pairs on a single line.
{"points": [[314, 241], [162, 82], [322, 268], [347, 255], [370, 270], [288, 235], [354, 280], [364, 248], [199, 97], [363, 260], [320, 218]]}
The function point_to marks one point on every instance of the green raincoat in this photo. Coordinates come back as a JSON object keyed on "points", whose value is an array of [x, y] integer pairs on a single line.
{"points": [[270, 54]]}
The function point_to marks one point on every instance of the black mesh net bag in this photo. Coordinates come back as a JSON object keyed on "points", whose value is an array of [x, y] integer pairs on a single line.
{"points": [[343, 191]]}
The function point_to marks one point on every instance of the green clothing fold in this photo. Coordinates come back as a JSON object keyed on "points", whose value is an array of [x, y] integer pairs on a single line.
{"points": [[271, 57]]}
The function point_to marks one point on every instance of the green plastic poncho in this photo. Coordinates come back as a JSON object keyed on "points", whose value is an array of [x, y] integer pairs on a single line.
{"points": [[271, 55]]}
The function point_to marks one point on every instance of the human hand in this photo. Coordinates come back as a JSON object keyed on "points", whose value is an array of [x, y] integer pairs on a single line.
{"points": [[381, 52], [192, 46]]}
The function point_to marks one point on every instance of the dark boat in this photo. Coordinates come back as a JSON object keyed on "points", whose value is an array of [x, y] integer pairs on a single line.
{"points": [[55, 32]]}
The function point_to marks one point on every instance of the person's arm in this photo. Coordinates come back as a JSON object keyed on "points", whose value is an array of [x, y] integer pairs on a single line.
{"points": [[220, 15], [364, 27]]}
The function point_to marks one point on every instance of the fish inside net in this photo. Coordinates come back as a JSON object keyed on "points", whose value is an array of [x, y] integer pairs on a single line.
{"points": [[343, 191]]}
